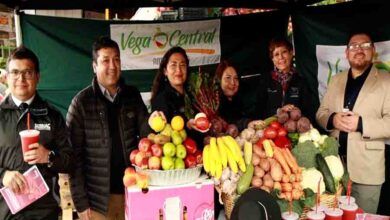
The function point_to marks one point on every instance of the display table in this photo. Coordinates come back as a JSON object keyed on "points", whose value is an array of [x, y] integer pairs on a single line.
{"points": [[188, 201]]}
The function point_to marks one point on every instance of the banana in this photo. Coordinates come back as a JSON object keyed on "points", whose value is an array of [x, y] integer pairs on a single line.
{"points": [[248, 152], [206, 158], [233, 146], [212, 165], [218, 169], [232, 162], [241, 164], [214, 149], [222, 151]]}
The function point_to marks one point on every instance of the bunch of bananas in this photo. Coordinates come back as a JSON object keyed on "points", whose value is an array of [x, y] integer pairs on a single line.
{"points": [[224, 151]]}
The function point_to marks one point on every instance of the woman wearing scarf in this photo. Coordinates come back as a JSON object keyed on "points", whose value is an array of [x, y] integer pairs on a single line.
{"points": [[284, 86]]}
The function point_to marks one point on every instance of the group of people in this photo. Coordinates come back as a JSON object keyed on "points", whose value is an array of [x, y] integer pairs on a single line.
{"points": [[106, 119]]}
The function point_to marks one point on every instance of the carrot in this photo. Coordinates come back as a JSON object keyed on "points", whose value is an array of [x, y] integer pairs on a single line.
{"points": [[293, 160], [279, 157], [289, 161]]}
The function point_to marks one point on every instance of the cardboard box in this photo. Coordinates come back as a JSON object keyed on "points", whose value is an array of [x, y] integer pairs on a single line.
{"points": [[193, 201]]}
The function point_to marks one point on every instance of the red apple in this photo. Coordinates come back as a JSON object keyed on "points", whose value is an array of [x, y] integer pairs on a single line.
{"points": [[190, 161], [154, 163], [157, 150], [149, 153], [202, 123], [190, 145], [132, 155], [144, 144], [129, 170], [141, 160], [198, 157], [129, 179]]}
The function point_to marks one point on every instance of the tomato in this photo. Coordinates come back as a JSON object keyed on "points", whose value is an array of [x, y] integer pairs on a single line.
{"points": [[282, 132], [202, 123], [270, 133], [275, 124]]}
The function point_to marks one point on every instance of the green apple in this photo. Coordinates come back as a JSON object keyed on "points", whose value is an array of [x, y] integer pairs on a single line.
{"points": [[169, 149], [176, 138], [167, 163], [179, 163], [181, 151], [167, 130], [183, 134]]}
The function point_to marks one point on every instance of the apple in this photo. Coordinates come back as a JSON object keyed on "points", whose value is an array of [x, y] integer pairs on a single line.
{"points": [[144, 144], [132, 155], [183, 134], [167, 163], [190, 161], [142, 181], [149, 152], [129, 170], [181, 151], [198, 157], [157, 150], [154, 163], [169, 149], [176, 138], [129, 179], [179, 164], [202, 123], [141, 160], [190, 145]]}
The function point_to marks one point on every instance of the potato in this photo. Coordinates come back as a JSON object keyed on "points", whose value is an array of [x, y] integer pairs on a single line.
{"points": [[276, 172], [295, 114], [265, 165], [303, 125], [255, 160], [259, 172], [268, 182], [290, 125], [259, 151], [257, 182]]}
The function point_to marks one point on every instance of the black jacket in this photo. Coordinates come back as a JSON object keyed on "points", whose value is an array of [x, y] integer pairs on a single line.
{"points": [[232, 111], [53, 135], [270, 97], [91, 140], [169, 101]]}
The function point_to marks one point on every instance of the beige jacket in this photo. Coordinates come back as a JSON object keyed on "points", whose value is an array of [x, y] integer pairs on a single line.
{"points": [[366, 158]]}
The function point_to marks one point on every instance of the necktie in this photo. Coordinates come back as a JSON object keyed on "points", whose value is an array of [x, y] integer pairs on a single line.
{"points": [[23, 106]]}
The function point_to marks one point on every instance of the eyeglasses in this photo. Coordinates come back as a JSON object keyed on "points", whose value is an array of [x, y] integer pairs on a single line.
{"points": [[27, 74], [363, 46]]}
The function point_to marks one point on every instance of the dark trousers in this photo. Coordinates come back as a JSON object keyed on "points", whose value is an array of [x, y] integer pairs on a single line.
{"points": [[384, 201]]}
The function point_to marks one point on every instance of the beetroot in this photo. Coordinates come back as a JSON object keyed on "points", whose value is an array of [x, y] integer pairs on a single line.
{"points": [[295, 114], [282, 116], [232, 130], [291, 125], [303, 125]]}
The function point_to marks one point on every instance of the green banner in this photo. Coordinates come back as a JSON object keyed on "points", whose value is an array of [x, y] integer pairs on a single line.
{"points": [[63, 46]]}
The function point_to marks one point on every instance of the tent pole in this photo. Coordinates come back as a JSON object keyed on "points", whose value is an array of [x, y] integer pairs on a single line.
{"points": [[18, 30]]}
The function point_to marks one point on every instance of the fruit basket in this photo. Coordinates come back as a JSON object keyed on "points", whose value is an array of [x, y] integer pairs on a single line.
{"points": [[171, 177]]}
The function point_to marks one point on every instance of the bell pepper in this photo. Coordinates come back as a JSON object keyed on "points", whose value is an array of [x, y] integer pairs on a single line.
{"points": [[282, 142]]}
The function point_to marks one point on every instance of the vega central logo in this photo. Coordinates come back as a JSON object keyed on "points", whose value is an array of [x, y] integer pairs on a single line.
{"points": [[160, 39]]}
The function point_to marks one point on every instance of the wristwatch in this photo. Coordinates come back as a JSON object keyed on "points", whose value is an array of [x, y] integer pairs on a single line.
{"points": [[50, 158]]}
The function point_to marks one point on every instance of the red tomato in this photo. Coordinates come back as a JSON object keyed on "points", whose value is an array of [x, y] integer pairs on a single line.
{"points": [[202, 123], [270, 133], [282, 132], [275, 124]]}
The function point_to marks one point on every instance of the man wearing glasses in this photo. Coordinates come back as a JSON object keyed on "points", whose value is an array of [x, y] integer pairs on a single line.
{"points": [[52, 154], [356, 110]]}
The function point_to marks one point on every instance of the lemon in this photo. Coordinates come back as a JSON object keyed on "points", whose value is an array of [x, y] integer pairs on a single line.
{"points": [[157, 124], [177, 123]]}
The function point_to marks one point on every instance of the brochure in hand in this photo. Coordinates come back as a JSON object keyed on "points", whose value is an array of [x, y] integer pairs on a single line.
{"points": [[37, 188]]}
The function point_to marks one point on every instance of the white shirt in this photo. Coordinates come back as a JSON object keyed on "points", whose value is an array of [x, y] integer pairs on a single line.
{"points": [[107, 94], [18, 102]]}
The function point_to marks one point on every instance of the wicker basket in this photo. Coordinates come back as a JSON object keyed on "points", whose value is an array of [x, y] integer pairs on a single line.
{"points": [[227, 201]]}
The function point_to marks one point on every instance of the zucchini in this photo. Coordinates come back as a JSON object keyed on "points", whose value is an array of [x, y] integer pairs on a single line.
{"points": [[245, 180], [328, 178]]}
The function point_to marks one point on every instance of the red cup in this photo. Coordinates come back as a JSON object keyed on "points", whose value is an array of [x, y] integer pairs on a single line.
{"points": [[333, 214], [290, 216], [349, 211], [313, 215], [344, 200], [28, 137]]}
